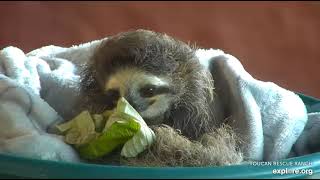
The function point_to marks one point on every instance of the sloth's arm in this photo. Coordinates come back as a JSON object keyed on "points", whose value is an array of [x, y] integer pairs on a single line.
{"points": [[217, 148]]}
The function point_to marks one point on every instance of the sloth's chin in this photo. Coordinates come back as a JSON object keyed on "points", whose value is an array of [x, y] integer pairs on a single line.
{"points": [[153, 120]]}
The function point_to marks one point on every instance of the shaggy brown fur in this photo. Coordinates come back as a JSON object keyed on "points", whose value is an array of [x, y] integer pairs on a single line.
{"points": [[217, 148], [193, 110]]}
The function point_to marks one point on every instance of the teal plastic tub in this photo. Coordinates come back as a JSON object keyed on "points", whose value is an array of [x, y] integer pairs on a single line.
{"points": [[308, 167]]}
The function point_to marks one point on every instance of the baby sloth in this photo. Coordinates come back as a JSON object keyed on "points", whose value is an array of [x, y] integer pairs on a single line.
{"points": [[162, 78]]}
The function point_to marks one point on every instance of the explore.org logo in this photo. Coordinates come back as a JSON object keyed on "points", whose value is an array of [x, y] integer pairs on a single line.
{"points": [[289, 167], [292, 171]]}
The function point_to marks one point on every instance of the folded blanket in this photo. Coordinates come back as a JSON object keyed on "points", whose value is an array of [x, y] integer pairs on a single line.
{"points": [[25, 116], [268, 117], [40, 88]]}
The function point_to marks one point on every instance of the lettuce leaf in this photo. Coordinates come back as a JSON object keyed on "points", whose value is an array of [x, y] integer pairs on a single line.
{"points": [[79, 130], [97, 135], [118, 134]]}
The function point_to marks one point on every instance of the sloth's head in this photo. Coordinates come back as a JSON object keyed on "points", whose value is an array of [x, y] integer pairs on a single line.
{"points": [[159, 76]]}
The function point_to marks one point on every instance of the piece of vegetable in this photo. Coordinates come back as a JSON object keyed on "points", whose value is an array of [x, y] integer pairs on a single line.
{"points": [[79, 130], [96, 136], [99, 122], [118, 133], [142, 139], [139, 142]]}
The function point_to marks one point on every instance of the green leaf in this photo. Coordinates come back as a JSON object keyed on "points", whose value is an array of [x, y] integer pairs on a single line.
{"points": [[118, 134], [124, 107], [99, 122], [79, 130]]}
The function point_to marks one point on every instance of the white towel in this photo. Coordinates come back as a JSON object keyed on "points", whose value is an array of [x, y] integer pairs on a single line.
{"points": [[25, 116], [270, 118]]}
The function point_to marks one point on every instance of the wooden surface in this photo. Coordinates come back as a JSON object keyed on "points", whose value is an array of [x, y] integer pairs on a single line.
{"points": [[275, 41]]}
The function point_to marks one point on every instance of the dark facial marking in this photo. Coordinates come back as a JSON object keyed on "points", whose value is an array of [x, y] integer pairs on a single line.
{"points": [[152, 90], [112, 95]]}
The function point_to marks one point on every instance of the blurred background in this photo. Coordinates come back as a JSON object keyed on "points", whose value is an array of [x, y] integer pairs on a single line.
{"points": [[275, 41]]}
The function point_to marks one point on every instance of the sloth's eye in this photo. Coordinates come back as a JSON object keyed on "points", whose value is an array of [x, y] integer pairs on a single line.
{"points": [[152, 90], [147, 91]]}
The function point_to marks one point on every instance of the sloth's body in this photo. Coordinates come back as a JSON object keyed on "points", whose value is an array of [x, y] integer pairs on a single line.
{"points": [[163, 80]]}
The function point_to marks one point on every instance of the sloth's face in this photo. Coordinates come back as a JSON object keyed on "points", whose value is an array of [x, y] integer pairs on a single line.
{"points": [[150, 95]]}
